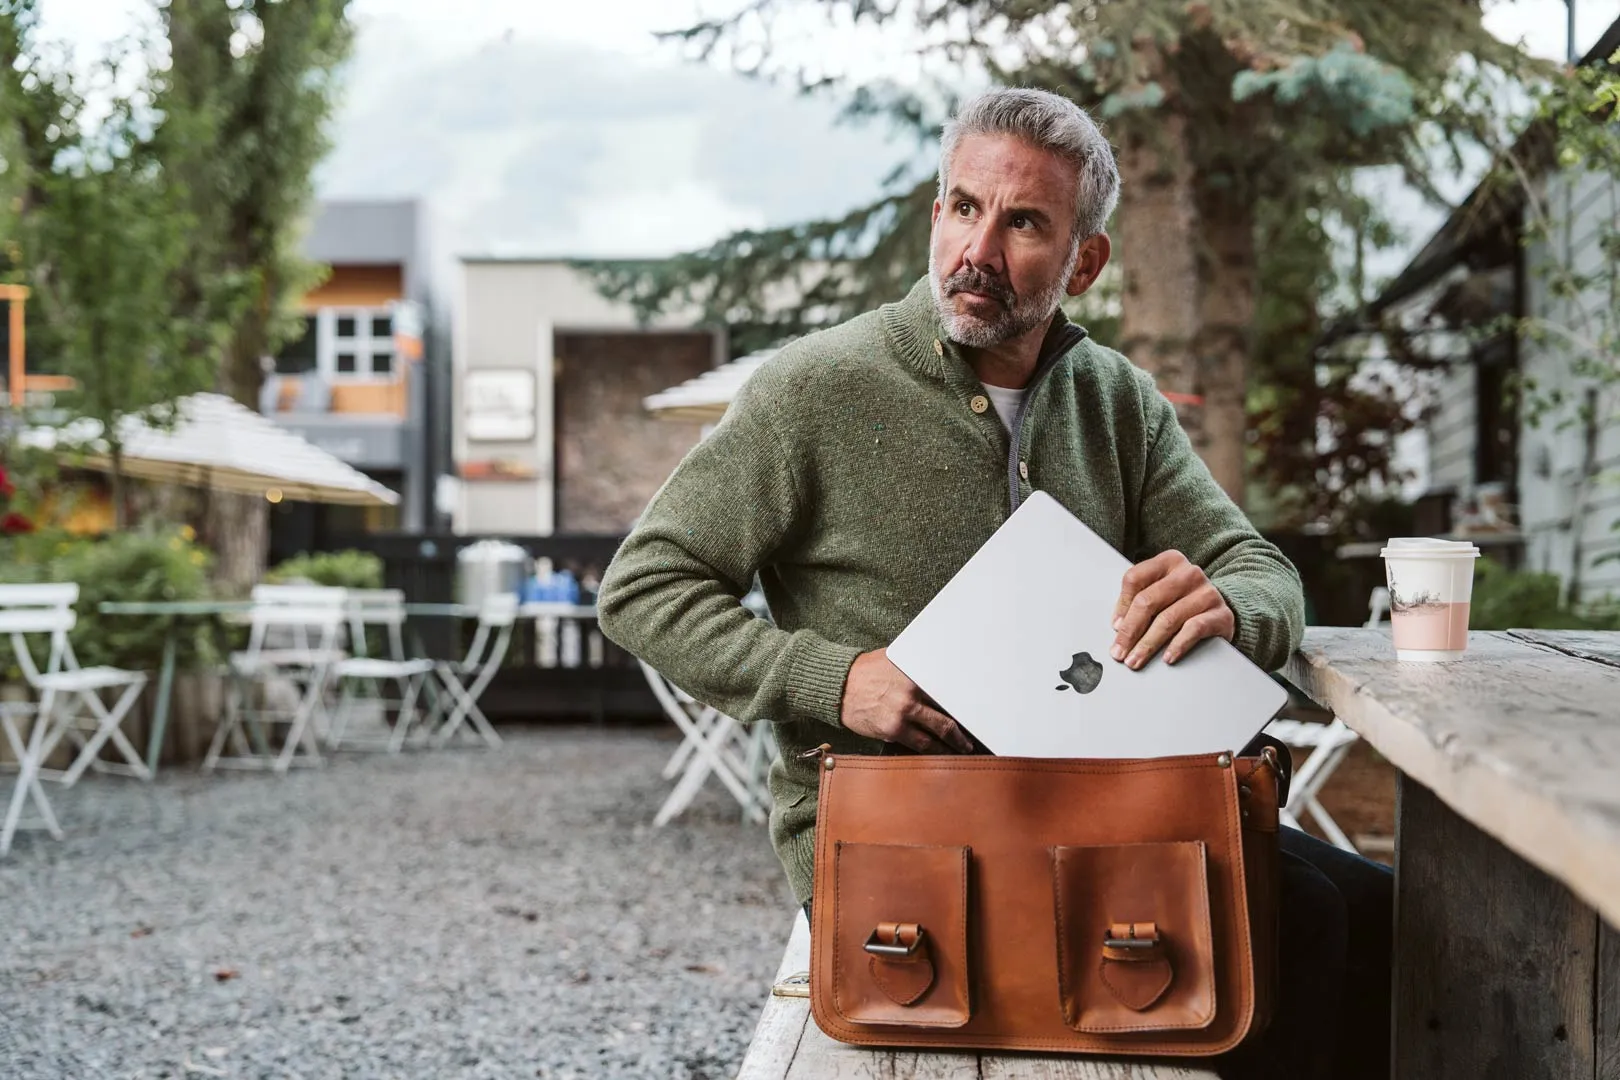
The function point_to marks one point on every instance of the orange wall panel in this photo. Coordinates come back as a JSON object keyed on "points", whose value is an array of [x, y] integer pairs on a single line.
{"points": [[358, 286], [369, 397]]}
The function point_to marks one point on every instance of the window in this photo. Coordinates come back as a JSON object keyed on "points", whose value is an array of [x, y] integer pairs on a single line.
{"points": [[300, 354], [354, 343]]}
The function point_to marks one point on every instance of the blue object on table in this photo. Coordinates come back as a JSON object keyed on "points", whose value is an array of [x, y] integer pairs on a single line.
{"points": [[566, 588]]}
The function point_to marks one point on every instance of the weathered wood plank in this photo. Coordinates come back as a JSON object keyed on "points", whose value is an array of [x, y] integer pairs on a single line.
{"points": [[1521, 740], [781, 1025], [787, 1044], [1495, 961], [1595, 645], [1045, 1068], [1608, 998], [822, 1058]]}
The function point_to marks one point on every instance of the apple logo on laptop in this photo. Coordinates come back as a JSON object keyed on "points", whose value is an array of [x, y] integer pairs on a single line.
{"points": [[1083, 673]]}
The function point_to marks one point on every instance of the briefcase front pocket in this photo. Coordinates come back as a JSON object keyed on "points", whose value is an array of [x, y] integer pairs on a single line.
{"points": [[901, 935], [1135, 951]]}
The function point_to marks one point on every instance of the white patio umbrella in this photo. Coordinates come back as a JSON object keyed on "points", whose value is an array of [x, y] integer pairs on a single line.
{"points": [[705, 398], [218, 444]]}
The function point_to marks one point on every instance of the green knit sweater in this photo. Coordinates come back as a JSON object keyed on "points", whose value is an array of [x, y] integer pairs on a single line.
{"points": [[855, 473]]}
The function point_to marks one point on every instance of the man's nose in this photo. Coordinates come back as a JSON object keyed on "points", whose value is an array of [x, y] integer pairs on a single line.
{"points": [[984, 251]]}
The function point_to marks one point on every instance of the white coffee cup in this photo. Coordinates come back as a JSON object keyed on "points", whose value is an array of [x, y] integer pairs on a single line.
{"points": [[1431, 584]]}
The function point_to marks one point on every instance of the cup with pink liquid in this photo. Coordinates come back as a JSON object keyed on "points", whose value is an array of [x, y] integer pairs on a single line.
{"points": [[1431, 583]]}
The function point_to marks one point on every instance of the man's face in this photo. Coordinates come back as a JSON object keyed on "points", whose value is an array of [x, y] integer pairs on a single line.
{"points": [[1002, 254]]}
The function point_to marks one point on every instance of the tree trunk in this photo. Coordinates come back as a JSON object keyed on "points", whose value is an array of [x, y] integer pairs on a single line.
{"points": [[120, 490], [1226, 325], [237, 527], [238, 530], [1156, 227]]}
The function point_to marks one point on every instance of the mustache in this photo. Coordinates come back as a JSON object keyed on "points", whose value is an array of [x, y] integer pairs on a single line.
{"points": [[982, 283]]}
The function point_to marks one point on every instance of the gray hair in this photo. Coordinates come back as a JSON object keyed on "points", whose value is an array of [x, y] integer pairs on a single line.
{"points": [[1050, 122]]}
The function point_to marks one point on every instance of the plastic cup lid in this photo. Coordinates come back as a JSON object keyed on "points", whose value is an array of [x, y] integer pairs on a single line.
{"points": [[1428, 547]]}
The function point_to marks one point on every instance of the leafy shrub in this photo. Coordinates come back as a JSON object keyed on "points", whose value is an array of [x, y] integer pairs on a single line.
{"points": [[1525, 600], [344, 569], [141, 565]]}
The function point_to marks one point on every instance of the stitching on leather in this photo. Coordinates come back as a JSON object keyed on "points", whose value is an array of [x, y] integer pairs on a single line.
{"points": [[879, 978], [1064, 995], [1169, 977], [1156, 1028], [838, 935], [1234, 842]]}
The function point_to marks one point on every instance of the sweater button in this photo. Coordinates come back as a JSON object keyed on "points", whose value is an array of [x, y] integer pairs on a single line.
{"points": [[1023, 470], [979, 403], [939, 347]]}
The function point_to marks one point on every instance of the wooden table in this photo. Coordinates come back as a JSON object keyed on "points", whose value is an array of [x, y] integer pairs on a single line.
{"points": [[1507, 858], [788, 1046]]}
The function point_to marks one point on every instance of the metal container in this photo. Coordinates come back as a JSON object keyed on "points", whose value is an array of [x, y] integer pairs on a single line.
{"points": [[489, 568]]}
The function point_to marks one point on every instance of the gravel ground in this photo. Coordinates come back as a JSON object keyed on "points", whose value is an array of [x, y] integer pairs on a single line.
{"points": [[453, 914]]}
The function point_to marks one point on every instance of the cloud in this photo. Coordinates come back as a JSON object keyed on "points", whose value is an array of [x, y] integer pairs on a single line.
{"points": [[554, 147]]}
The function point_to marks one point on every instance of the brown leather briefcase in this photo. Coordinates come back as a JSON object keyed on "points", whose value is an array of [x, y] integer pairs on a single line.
{"points": [[1106, 907]]}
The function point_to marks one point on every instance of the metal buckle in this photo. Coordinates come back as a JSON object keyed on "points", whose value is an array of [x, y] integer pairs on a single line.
{"points": [[894, 948], [1132, 942]]}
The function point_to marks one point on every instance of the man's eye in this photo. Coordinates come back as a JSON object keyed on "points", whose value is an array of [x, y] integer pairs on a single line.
{"points": [[1021, 221], [964, 208]]}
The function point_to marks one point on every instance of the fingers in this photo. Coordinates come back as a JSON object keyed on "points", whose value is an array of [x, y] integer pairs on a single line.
{"points": [[1208, 624], [1142, 575], [1165, 627], [940, 730], [1171, 586]]}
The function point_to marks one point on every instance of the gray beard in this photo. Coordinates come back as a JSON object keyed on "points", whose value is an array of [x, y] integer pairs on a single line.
{"points": [[1024, 314]]}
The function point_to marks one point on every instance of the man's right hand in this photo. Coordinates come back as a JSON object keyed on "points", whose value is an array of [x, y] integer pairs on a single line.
{"points": [[881, 703]]}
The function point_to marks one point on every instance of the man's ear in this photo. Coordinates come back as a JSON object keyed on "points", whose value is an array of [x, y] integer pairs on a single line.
{"points": [[1094, 254], [933, 219]]}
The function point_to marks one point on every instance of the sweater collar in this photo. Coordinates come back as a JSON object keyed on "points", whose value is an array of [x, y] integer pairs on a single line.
{"points": [[919, 337]]}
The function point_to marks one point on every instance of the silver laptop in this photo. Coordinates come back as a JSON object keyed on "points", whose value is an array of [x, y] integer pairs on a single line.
{"points": [[1015, 648]]}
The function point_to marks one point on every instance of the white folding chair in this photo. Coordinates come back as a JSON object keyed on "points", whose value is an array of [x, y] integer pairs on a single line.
{"points": [[29, 754], [71, 705], [1329, 743], [712, 743], [294, 641], [465, 680], [383, 609]]}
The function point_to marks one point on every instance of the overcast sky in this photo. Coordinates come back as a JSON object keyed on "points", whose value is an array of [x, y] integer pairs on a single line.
{"points": [[563, 127]]}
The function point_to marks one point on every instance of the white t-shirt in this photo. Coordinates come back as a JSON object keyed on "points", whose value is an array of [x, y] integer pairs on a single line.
{"points": [[1006, 402]]}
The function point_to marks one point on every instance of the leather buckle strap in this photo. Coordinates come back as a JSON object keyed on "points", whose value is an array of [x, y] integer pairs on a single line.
{"points": [[1132, 941], [895, 939], [1135, 966]]}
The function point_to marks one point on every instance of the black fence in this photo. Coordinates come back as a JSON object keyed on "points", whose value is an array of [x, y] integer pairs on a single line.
{"points": [[602, 682]]}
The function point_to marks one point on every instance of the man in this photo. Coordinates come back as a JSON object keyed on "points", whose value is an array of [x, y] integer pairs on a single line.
{"points": [[861, 467]]}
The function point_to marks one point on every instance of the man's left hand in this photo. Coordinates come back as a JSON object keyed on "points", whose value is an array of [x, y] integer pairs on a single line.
{"points": [[1167, 599]]}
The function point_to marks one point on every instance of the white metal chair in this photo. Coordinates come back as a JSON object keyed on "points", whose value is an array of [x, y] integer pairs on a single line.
{"points": [[1329, 743], [29, 754], [465, 680], [383, 609], [70, 704], [714, 743], [294, 641]]}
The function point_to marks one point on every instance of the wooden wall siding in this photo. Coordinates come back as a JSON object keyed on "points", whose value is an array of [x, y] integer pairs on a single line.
{"points": [[371, 397], [1453, 430], [381, 397], [358, 286], [1552, 452]]}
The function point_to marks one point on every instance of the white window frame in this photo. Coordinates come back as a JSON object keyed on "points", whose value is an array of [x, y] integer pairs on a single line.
{"points": [[365, 347]]}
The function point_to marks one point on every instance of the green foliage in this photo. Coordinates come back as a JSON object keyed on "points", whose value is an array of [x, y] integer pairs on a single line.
{"points": [[131, 566], [1364, 92], [1524, 600], [343, 569], [246, 96], [1281, 100]]}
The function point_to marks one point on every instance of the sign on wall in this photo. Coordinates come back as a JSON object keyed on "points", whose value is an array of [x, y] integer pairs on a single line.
{"points": [[499, 405]]}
